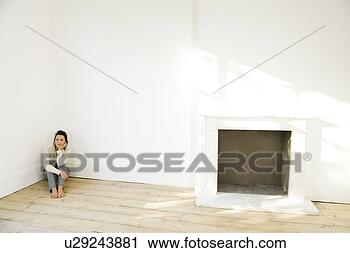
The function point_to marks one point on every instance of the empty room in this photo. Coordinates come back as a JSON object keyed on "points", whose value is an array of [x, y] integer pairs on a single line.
{"points": [[164, 116]]}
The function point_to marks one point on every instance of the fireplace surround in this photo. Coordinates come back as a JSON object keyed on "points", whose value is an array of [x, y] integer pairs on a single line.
{"points": [[286, 192]]}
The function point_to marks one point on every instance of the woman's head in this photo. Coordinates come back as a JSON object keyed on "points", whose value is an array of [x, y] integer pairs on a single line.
{"points": [[60, 139]]}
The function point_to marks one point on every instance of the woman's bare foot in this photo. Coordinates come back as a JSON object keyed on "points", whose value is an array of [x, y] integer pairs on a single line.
{"points": [[60, 191], [54, 193]]}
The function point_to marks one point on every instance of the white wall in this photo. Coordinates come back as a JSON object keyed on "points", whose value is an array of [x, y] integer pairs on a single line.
{"points": [[25, 96], [308, 80], [145, 44]]}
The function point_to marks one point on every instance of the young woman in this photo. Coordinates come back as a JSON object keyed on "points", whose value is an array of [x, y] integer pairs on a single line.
{"points": [[57, 170]]}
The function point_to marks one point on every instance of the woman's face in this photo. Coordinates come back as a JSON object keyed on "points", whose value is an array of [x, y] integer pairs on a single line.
{"points": [[59, 141]]}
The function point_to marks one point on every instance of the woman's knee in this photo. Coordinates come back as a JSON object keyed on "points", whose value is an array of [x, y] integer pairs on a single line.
{"points": [[65, 169], [50, 175]]}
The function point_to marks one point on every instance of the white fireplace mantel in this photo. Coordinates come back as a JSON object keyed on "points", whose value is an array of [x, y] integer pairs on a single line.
{"points": [[206, 183]]}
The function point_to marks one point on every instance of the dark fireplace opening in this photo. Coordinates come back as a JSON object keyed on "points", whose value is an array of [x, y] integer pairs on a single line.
{"points": [[269, 175]]}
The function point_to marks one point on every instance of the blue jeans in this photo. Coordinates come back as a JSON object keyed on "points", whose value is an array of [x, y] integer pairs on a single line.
{"points": [[55, 180]]}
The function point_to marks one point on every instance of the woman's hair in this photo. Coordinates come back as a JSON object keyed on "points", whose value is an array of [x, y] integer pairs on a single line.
{"points": [[60, 132]]}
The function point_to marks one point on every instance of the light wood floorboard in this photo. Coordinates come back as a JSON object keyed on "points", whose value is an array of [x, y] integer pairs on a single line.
{"points": [[109, 206]]}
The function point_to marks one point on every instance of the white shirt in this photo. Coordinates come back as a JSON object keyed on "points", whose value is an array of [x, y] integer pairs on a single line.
{"points": [[58, 159]]}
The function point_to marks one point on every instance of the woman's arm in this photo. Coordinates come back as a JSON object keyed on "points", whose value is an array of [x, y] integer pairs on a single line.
{"points": [[61, 161], [61, 156], [52, 169]]}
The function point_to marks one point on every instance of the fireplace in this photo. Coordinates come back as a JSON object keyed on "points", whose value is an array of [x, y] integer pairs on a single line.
{"points": [[250, 161], [284, 189]]}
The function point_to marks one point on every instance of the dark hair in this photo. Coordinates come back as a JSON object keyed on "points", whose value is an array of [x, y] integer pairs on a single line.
{"points": [[60, 132]]}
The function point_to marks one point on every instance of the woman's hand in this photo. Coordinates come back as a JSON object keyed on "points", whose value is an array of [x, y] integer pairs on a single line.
{"points": [[63, 146], [64, 175]]}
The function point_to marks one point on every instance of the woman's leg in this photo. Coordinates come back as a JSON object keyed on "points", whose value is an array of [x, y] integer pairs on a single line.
{"points": [[52, 179], [61, 181]]}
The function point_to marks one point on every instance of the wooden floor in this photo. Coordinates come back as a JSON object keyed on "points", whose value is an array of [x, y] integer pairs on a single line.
{"points": [[107, 206]]}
